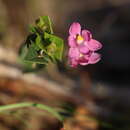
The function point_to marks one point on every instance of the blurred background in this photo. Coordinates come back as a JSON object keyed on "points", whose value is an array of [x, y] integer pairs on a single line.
{"points": [[97, 95]]}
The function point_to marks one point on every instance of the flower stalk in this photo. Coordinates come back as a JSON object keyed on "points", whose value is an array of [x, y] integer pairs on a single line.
{"points": [[30, 104]]}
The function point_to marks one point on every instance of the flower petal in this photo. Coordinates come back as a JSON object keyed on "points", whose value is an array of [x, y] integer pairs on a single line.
{"points": [[71, 41], [75, 29], [83, 49], [94, 45], [94, 58], [86, 35], [73, 62], [83, 61], [74, 53]]}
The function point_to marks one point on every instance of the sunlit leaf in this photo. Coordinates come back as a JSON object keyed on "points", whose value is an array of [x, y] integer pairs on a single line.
{"points": [[56, 46], [45, 24]]}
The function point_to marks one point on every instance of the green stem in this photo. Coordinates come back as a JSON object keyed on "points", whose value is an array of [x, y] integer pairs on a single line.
{"points": [[29, 104]]}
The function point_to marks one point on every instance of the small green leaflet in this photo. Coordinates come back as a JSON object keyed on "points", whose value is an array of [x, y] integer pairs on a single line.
{"points": [[56, 46], [44, 23]]}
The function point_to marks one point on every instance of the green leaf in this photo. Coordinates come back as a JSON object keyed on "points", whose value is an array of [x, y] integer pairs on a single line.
{"points": [[30, 39], [32, 29], [56, 46], [34, 56], [41, 46], [28, 66], [44, 23], [39, 42]]}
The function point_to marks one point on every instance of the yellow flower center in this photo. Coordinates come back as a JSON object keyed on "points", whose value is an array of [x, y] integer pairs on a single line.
{"points": [[79, 39], [81, 55]]}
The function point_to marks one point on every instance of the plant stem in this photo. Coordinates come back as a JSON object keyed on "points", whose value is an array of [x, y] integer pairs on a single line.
{"points": [[29, 104]]}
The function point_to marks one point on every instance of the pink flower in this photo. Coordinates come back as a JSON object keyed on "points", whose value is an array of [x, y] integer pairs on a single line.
{"points": [[82, 47]]}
